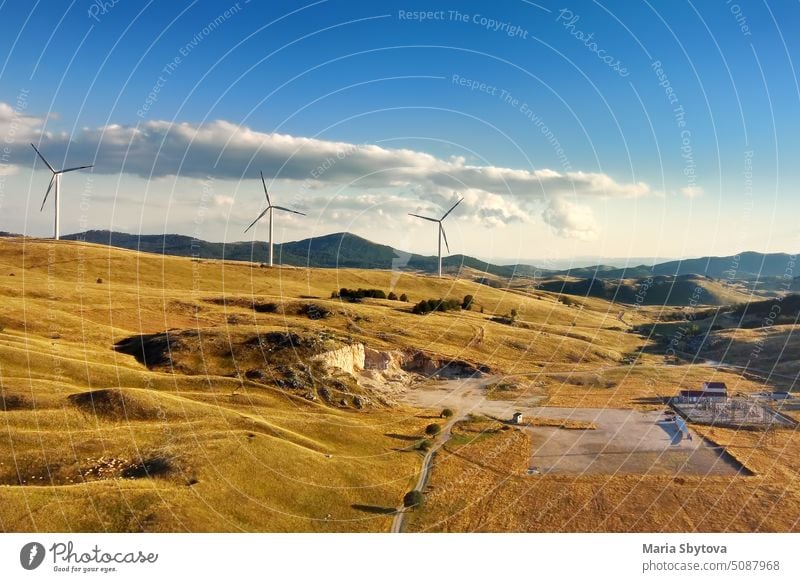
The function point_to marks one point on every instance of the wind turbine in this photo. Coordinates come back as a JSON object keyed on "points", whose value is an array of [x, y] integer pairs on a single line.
{"points": [[441, 230], [270, 208], [56, 181]]}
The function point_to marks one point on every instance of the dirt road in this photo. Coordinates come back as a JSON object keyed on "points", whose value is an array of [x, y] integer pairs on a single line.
{"points": [[427, 464]]}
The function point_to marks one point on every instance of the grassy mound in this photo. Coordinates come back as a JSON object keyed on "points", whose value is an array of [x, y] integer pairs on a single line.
{"points": [[113, 404], [14, 402]]}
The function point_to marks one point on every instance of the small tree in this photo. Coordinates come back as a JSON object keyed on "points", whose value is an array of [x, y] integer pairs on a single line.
{"points": [[392, 296], [513, 316], [404, 298], [467, 303], [413, 498], [433, 429], [446, 413]]}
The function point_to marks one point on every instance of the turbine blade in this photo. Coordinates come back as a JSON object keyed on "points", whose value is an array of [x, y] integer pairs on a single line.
{"points": [[50, 187], [441, 228], [460, 200], [41, 156], [264, 182], [423, 217], [288, 210], [73, 169], [257, 219]]}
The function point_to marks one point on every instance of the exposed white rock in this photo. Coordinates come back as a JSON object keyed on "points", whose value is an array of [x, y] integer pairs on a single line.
{"points": [[388, 374], [348, 359]]}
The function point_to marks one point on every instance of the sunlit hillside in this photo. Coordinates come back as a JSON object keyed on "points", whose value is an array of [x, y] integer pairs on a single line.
{"points": [[142, 392]]}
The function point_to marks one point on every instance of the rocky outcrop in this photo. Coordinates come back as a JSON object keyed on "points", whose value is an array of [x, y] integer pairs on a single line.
{"points": [[348, 359], [385, 375], [418, 362], [425, 364], [380, 361]]}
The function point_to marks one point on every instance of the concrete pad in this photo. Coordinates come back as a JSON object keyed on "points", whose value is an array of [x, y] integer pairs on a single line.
{"points": [[625, 441]]}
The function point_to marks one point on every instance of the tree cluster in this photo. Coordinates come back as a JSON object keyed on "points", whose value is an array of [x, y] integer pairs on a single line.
{"points": [[428, 305], [358, 294]]}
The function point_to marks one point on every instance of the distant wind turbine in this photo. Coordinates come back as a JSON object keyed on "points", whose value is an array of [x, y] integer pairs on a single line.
{"points": [[441, 230], [269, 209], [55, 185]]}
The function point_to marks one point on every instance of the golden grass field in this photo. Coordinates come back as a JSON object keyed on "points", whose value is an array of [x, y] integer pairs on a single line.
{"points": [[226, 453]]}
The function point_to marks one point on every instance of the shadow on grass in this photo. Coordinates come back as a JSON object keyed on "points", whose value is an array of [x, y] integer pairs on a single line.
{"points": [[375, 509], [409, 449], [652, 400], [402, 437], [500, 420]]}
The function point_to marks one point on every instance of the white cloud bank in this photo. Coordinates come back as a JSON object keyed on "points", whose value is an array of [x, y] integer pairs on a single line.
{"points": [[496, 195]]}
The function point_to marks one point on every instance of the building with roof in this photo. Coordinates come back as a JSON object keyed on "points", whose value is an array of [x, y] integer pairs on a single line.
{"points": [[709, 392]]}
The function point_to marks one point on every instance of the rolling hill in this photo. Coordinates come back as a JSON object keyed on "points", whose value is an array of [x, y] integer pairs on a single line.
{"points": [[746, 265], [144, 392], [345, 250], [681, 290], [338, 250]]}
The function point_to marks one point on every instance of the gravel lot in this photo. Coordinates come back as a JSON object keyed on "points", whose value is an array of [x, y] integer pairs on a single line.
{"points": [[624, 440]]}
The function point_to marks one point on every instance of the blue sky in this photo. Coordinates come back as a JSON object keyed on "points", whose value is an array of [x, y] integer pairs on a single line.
{"points": [[558, 152]]}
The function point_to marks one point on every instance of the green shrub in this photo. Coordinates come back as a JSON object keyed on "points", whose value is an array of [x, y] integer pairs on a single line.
{"points": [[467, 302], [433, 429], [392, 296], [404, 298], [355, 295], [428, 305], [413, 498], [446, 413], [313, 311]]}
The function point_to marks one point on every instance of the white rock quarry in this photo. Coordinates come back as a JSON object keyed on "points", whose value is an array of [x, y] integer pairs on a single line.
{"points": [[389, 374], [348, 359], [379, 372]]}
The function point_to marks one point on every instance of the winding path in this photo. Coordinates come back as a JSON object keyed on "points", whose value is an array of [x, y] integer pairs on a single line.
{"points": [[427, 465]]}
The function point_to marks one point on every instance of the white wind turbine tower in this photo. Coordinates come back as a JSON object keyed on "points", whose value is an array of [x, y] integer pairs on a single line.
{"points": [[270, 208], [441, 230], [55, 185]]}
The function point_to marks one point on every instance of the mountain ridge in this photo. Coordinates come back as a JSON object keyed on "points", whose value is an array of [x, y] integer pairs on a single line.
{"points": [[347, 250]]}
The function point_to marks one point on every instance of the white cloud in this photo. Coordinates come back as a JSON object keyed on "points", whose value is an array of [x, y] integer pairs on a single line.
{"points": [[16, 130], [362, 175], [692, 191], [227, 150], [571, 220], [223, 200]]}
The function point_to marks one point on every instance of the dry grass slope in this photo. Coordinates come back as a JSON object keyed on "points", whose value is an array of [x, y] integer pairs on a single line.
{"points": [[192, 424]]}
